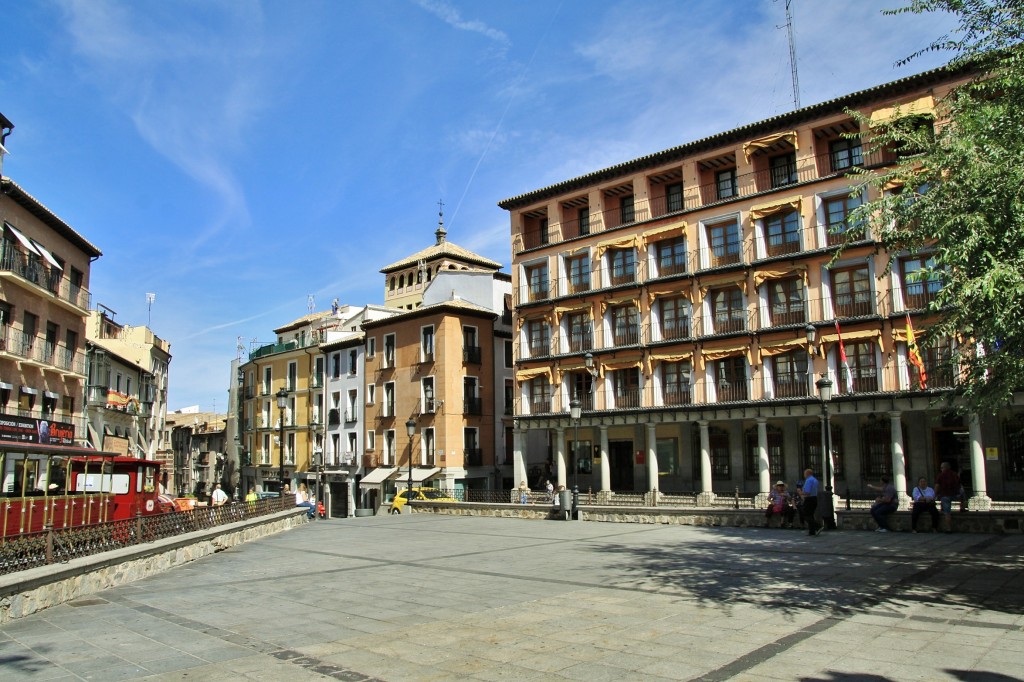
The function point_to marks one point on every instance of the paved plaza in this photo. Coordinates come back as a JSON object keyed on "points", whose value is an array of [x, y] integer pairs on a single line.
{"points": [[426, 597]]}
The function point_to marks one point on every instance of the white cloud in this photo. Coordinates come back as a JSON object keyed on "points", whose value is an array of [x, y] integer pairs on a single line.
{"points": [[450, 15]]}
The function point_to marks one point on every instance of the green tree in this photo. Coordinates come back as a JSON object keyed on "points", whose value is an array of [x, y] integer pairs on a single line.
{"points": [[962, 197]]}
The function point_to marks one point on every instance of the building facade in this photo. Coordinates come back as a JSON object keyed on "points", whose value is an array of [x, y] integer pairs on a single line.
{"points": [[690, 301], [44, 306]]}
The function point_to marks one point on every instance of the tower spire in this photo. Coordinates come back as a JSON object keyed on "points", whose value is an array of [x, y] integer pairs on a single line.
{"points": [[440, 233]]}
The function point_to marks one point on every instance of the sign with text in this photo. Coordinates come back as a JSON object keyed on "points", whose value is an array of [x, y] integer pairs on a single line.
{"points": [[31, 430]]}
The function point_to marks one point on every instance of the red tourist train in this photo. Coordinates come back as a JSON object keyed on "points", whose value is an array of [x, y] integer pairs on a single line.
{"points": [[53, 486]]}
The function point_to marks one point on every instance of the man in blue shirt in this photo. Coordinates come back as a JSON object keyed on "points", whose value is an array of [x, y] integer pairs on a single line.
{"points": [[809, 493]]}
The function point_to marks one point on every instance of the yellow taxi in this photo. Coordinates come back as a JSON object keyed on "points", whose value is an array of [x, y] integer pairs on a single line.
{"points": [[427, 494]]}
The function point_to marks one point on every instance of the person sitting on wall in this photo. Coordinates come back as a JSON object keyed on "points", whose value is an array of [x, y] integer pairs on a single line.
{"points": [[885, 504], [780, 502], [924, 501]]}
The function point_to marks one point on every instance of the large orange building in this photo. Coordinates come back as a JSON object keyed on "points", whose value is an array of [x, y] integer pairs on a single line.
{"points": [[699, 284]]}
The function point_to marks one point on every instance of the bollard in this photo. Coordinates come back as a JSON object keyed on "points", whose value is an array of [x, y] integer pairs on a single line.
{"points": [[736, 498]]}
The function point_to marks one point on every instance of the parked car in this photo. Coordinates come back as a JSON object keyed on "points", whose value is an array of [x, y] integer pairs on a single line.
{"points": [[428, 494]]}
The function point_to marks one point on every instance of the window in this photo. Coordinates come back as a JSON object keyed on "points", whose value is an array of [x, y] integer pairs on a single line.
{"points": [[851, 292], [371, 440], [540, 338], [540, 395], [509, 356], [724, 241], [371, 394], [470, 345], [583, 217], [1013, 444], [845, 154], [472, 403], [509, 396], [730, 314], [388, 456], [671, 254], [776, 466], [389, 350], [786, 301], [789, 372], [30, 327], [353, 357], [782, 233], [427, 395], [675, 383], [921, 282], [267, 380], [811, 449], [669, 458], [578, 272], [626, 209], [623, 266], [837, 217], [675, 318], [427, 443], [876, 449], [674, 197], [289, 453], [427, 344], [783, 169], [626, 383], [351, 408], [537, 278], [625, 325], [725, 183], [471, 448], [371, 347], [580, 336], [389, 399], [731, 379], [860, 356], [938, 364], [581, 387], [543, 229]]}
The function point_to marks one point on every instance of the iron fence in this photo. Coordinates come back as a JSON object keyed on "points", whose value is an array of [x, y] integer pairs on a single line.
{"points": [[60, 545]]}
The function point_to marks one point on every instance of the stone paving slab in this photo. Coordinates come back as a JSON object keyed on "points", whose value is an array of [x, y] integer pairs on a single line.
{"points": [[431, 597]]}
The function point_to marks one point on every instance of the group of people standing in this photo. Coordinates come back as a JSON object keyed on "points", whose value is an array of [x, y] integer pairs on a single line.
{"points": [[803, 503]]}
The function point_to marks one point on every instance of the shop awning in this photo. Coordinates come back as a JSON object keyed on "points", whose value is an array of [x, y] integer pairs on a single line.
{"points": [[378, 476], [25, 241], [419, 475], [5, 386], [28, 390], [922, 106]]}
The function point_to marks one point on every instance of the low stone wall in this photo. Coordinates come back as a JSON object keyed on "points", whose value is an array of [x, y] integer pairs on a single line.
{"points": [[963, 522], [35, 589]]}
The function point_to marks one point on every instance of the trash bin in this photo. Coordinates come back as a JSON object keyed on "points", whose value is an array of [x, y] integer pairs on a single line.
{"points": [[565, 503]]}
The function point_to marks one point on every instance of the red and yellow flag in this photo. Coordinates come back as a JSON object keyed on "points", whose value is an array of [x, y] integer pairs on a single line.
{"points": [[914, 356]]}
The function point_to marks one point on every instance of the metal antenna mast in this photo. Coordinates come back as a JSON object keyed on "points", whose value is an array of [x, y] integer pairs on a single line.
{"points": [[792, 56]]}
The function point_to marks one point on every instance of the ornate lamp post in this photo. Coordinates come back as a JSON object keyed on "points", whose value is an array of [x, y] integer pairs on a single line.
{"points": [[575, 408], [410, 429], [824, 385], [282, 401]]}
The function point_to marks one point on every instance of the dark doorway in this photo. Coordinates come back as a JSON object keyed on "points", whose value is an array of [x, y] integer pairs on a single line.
{"points": [[952, 445], [620, 459], [339, 499]]}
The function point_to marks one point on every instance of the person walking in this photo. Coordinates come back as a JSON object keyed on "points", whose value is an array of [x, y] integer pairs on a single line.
{"points": [[809, 494]]}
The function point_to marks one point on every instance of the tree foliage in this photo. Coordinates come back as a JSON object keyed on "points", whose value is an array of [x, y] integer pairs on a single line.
{"points": [[962, 198]]}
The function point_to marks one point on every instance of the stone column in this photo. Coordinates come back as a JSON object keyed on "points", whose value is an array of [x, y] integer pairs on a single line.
{"points": [[980, 501], [763, 473], [899, 460], [560, 456], [518, 461], [706, 495], [652, 457], [606, 470]]}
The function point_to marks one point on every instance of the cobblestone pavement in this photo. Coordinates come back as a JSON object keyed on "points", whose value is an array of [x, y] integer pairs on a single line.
{"points": [[428, 597]]}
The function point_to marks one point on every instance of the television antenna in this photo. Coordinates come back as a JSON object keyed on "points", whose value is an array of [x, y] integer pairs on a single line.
{"points": [[150, 297]]}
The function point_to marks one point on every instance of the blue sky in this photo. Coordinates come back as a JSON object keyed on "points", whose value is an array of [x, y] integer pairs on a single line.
{"points": [[236, 157]]}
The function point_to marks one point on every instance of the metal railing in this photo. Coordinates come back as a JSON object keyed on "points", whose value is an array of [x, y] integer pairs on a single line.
{"points": [[60, 545]]}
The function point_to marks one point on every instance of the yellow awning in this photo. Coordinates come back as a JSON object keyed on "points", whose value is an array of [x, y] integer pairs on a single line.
{"points": [[668, 291], [623, 363], [546, 317], [739, 280], [761, 275], [532, 373], [622, 300], [923, 106], [726, 351], [758, 211], [563, 309], [858, 335], [899, 334], [779, 347], [664, 232], [753, 146], [627, 243]]}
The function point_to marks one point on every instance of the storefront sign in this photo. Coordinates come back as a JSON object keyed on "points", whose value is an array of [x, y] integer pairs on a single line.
{"points": [[992, 454], [32, 430]]}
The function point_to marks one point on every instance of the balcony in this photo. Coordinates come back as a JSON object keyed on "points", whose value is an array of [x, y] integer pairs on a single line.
{"points": [[472, 406], [857, 304], [677, 397], [42, 277], [780, 315], [351, 416], [581, 342], [540, 405], [539, 350], [471, 354], [728, 391], [370, 461], [627, 397], [729, 322], [790, 387], [628, 335], [473, 457], [333, 417], [677, 329]]}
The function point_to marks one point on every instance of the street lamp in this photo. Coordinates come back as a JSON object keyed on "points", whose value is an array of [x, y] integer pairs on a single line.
{"points": [[282, 400], [410, 429], [824, 385], [575, 408]]}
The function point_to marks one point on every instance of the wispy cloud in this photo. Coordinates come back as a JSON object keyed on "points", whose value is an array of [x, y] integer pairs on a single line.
{"points": [[451, 16]]}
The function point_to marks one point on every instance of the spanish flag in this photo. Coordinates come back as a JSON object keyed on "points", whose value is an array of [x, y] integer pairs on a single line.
{"points": [[843, 362], [914, 355]]}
